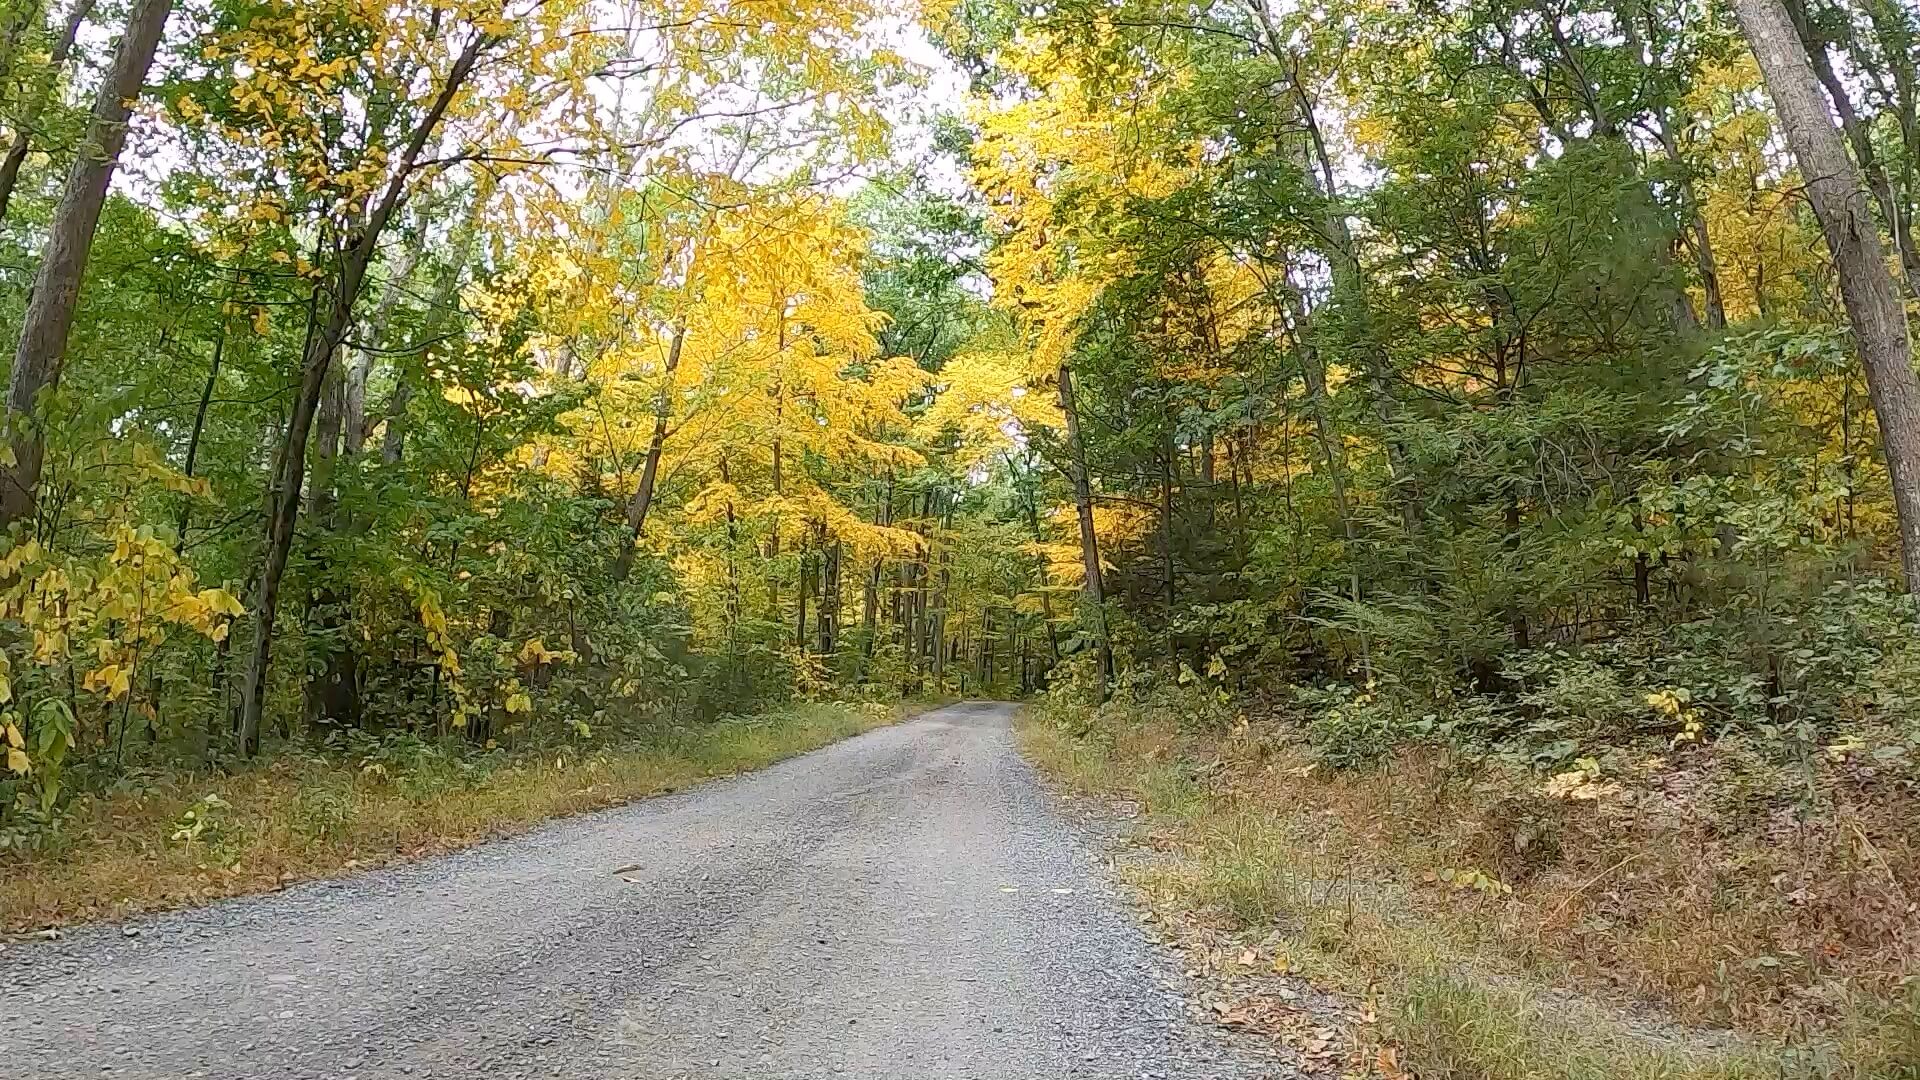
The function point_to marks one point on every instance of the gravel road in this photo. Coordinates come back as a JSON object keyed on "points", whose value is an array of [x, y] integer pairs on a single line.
{"points": [[902, 905]]}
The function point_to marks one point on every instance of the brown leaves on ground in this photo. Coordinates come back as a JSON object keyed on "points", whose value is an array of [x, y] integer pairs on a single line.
{"points": [[1251, 988]]}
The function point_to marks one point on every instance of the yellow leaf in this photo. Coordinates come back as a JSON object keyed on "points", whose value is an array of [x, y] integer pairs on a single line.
{"points": [[221, 601], [15, 739], [17, 761]]}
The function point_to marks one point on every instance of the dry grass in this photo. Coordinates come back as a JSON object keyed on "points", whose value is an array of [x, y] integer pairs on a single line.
{"points": [[1658, 900], [291, 820]]}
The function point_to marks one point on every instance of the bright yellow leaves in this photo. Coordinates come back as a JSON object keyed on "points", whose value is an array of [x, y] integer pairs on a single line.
{"points": [[1057, 170], [98, 616], [986, 398], [535, 651]]}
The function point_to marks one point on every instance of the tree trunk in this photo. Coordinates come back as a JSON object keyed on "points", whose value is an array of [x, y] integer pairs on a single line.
{"points": [[1040, 572], [329, 692], [802, 590], [1093, 590], [1331, 447], [1814, 44], [870, 601], [1352, 294], [829, 617], [1873, 305], [283, 494], [1166, 525], [642, 500], [354, 402], [56, 287], [393, 442], [200, 422], [733, 555], [1627, 16], [22, 136]]}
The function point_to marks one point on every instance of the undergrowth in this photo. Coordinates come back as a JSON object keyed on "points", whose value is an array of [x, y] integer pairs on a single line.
{"points": [[1513, 933], [173, 839]]}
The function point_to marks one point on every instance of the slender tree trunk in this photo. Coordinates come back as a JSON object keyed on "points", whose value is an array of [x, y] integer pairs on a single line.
{"points": [[1166, 525], [283, 495], [56, 287], [1628, 16], [1873, 171], [393, 441], [1331, 448], [642, 500], [22, 136], [870, 601], [200, 422], [829, 618], [1873, 305], [802, 590], [733, 555], [1046, 596], [1352, 293], [354, 399], [1094, 590]]}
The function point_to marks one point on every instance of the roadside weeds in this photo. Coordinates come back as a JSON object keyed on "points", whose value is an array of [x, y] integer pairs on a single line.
{"points": [[1292, 927], [181, 840]]}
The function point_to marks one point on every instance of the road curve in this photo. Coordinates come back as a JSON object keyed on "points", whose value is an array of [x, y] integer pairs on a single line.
{"points": [[901, 905]]}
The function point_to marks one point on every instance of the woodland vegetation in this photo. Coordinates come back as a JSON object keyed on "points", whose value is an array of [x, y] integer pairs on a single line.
{"points": [[1516, 396]]}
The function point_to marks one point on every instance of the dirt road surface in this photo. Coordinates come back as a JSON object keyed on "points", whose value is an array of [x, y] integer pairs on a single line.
{"points": [[904, 905]]}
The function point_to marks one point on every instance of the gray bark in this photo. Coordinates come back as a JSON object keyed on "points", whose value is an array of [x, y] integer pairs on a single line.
{"points": [[56, 287], [37, 104], [1873, 304]]}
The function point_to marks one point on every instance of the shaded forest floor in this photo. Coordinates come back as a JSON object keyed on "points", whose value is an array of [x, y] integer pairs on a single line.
{"points": [[166, 840], [1394, 922]]}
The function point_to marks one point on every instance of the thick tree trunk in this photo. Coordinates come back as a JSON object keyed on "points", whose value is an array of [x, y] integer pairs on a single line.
{"points": [[642, 500], [1873, 305], [23, 134], [56, 287], [329, 420], [1094, 589]]}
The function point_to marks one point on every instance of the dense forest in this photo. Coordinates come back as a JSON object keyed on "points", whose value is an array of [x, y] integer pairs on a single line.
{"points": [[1525, 382]]}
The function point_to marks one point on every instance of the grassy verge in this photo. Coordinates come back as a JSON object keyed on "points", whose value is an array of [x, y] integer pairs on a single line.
{"points": [[176, 840], [1347, 882]]}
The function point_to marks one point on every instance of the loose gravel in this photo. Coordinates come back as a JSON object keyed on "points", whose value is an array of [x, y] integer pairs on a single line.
{"points": [[902, 905]]}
